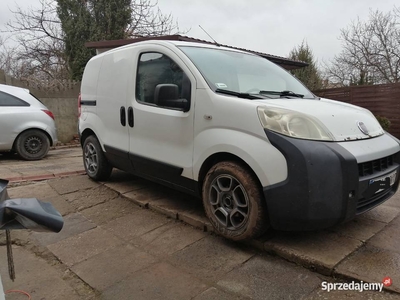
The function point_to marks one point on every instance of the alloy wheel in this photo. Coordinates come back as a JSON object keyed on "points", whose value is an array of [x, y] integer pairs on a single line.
{"points": [[91, 160], [229, 201]]}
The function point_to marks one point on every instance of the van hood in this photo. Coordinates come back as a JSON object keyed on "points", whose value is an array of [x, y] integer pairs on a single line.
{"points": [[345, 122]]}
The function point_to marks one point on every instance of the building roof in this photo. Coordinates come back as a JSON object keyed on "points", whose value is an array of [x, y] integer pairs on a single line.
{"points": [[288, 64]]}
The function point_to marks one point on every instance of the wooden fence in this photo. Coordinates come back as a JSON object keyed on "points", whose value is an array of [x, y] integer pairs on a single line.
{"points": [[382, 100]]}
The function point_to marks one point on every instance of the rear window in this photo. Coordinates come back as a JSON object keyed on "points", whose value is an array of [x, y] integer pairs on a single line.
{"points": [[10, 100]]}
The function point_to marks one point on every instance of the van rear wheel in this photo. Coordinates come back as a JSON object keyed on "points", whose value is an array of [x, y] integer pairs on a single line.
{"points": [[233, 202], [96, 164]]}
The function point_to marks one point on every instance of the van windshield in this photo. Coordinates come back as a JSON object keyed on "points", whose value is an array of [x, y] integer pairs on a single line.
{"points": [[244, 73]]}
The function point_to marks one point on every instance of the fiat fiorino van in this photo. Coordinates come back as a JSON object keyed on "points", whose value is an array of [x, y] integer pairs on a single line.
{"points": [[236, 130]]}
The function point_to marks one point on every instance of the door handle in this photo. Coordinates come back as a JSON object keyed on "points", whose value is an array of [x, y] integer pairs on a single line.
{"points": [[130, 116], [122, 115]]}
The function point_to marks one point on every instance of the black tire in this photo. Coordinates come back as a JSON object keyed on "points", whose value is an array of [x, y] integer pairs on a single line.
{"points": [[241, 219], [96, 164], [32, 144]]}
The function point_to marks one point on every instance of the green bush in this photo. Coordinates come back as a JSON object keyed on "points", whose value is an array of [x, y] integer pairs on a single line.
{"points": [[385, 122]]}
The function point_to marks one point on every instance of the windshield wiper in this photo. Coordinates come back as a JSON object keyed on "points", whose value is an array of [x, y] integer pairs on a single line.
{"points": [[282, 93], [239, 95]]}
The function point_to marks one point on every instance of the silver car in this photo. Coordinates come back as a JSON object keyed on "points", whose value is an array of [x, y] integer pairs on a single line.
{"points": [[26, 126]]}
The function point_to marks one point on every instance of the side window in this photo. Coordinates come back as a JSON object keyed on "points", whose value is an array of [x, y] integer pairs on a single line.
{"points": [[161, 82], [9, 100]]}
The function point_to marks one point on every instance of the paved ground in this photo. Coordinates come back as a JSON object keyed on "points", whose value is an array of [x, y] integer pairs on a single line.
{"points": [[116, 245], [61, 162]]}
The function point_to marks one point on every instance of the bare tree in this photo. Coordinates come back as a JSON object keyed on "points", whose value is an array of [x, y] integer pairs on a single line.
{"points": [[371, 51], [40, 53], [148, 20], [6, 60]]}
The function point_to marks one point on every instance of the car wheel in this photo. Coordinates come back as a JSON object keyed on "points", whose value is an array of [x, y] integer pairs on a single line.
{"points": [[32, 145], [96, 164], [233, 202]]}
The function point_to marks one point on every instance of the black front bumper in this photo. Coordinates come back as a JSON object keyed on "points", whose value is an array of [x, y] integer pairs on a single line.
{"points": [[324, 186]]}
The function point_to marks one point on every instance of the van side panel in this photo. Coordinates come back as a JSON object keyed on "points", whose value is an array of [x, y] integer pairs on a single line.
{"points": [[89, 117], [114, 80], [90, 81]]}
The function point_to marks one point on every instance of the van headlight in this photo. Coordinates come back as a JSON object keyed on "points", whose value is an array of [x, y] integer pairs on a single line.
{"points": [[293, 124]]}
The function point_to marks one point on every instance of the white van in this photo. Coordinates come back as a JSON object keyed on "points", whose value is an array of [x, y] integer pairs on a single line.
{"points": [[237, 130]]}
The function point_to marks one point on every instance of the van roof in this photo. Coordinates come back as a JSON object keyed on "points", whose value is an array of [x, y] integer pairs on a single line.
{"points": [[177, 39]]}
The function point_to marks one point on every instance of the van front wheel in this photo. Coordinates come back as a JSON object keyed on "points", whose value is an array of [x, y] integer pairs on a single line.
{"points": [[233, 202], [96, 164]]}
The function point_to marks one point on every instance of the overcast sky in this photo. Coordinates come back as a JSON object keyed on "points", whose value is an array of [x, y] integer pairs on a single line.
{"points": [[270, 26]]}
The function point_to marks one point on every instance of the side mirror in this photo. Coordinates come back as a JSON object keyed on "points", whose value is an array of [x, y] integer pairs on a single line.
{"points": [[27, 213], [168, 95]]}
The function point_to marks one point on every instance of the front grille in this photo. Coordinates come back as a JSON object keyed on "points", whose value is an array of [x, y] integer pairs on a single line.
{"points": [[375, 166]]}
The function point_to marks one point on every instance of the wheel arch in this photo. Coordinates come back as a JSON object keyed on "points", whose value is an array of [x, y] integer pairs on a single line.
{"points": [[33, 128], [220, 157], [85, 134]]}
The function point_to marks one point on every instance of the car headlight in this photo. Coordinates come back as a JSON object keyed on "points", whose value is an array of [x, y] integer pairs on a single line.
{"points": [[293, 124]]}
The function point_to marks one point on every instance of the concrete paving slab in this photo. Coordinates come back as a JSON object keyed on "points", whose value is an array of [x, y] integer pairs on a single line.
{"points": [[394, 201], [40, 190], [216, 294], [168, 239], [211, 257], [28, 170], [321, 250], [382, 213], [158, 282], [86, 198], [151, 192], [258, 278], [388, 239], [135, 224], [182, 207], [6, 173], [126, 187], [178, 206], [112, 266], [36, 277], [360, 228], [196, 219], [27, 166], [83, 246], [56, 169], [372, 264], [61, 204], [110, 210], [31, 173], [72, 184], [74, 224], [396, 222]]}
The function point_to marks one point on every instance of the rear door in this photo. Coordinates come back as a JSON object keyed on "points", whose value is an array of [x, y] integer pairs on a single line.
{"points": [[161, 137], [113, 88]]}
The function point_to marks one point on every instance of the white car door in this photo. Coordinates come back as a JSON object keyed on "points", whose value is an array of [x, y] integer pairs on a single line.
{"points": [[161, 134], [13, 111]]}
